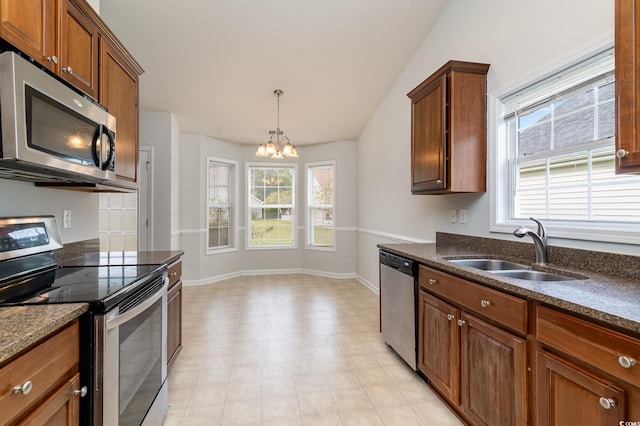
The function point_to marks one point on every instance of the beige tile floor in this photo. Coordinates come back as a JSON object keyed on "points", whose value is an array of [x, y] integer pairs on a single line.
{"points": [[292, 350]]}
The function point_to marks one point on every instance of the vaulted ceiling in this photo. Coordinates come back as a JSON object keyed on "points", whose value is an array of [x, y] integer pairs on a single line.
{"points": [[216, 63]]}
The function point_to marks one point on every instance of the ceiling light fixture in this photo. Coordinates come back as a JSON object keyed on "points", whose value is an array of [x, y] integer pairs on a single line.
{"points": [[277, 146]]}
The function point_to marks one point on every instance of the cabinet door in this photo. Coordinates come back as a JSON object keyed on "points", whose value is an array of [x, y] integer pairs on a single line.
{"points": [[568, 395], [119, 93], [627, 37], [493, 374], [60, 409], [79, 50], [439, 345], [31, 27], [174, 324], [429, 138]]}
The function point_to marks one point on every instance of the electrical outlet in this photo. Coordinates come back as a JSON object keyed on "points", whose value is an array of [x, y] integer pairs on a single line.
{"points": [[66, 219], [346, 257], [453, 216], [463, 215]]}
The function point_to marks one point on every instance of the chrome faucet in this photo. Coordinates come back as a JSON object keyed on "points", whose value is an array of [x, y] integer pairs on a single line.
{"points": [[539, 240]]}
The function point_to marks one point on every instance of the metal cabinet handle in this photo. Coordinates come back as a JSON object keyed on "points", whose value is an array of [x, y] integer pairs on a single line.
{"points": [[439, 181], [173, 274], [82, 392], [461, 322], [23, 389], [450, 317], [621, 153], [607, 403], [53, 59], [68, 69], [626, 362], [485, 303], [432, 281]]}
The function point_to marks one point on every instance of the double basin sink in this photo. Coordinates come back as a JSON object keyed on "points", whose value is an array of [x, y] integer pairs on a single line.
{"points": [[510, 269]]}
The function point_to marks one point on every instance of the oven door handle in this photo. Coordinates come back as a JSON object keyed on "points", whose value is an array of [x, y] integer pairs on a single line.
{"points": [[121, 319]]}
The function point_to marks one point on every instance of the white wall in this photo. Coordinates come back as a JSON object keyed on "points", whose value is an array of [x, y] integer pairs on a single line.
{"points": [[198, 267], [515, 37], [25, 199], [160, 131]]}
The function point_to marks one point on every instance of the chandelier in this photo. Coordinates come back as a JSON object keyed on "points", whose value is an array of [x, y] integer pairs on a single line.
{"points": [[277, 146]]}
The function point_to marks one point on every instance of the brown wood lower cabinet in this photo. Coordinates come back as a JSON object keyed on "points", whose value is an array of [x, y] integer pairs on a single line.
{"points": [[174, 314], [41, 387], [479, 367], [569, 395], [439, 345], [493, 374]]}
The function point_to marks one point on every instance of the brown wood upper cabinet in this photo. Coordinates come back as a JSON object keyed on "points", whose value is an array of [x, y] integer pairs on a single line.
{"points": [[119, 93], [78, 62], [70, 39], [449, 130], [32, 27], [627, 39]]}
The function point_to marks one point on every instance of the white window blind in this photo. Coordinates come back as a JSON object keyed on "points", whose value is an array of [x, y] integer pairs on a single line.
{"points": [[320, 205], [220, 189], [561, 134], [271, 205]]}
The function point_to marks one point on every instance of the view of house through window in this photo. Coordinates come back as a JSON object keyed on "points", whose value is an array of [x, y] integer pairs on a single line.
{"points": [[220, 189], [271, 205], [320, 205], [561, 148]]}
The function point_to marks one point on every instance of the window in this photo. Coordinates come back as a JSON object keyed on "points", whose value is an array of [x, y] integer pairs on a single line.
{"points": [[555, 155], [271, 205], [220, 204], [320, 205]]}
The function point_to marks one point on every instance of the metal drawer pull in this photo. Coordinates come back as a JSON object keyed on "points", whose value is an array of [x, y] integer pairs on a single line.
{"points": [[53, 59], [607, 403], [81, 392], [432, 281], [626, 362], [461, 322], [68, 69], [484, 303], [439, 181], [173, 274], [450, 317], [24, 389]]}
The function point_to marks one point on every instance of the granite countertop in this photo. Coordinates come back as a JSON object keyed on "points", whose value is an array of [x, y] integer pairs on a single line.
{"points": [[23, 326], [610, 299], [102, 258]]}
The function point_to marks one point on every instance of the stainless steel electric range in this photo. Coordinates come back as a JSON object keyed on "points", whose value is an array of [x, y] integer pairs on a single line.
{"points": [[122, 335]]}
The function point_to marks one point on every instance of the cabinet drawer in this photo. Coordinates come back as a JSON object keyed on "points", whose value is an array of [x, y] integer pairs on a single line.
{"points": [[175, 272], [46, 365], [508, 310], [597, 346]]}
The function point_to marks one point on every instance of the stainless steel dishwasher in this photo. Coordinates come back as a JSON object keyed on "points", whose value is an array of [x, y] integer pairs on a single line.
{"points": [[398, 305]]}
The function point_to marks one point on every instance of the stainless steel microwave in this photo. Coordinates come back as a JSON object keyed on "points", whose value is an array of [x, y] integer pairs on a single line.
{"points": [[50, 132]]}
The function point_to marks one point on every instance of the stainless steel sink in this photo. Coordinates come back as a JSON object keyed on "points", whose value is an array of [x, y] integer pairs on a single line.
{"points": [[534, 275], [510, 269], [490, 264]]}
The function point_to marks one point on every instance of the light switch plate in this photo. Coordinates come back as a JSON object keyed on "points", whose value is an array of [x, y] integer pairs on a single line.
{"points": [[66, 219]]}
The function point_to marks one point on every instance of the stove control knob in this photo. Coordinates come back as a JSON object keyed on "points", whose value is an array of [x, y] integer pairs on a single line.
{"points": [[23, 389]]}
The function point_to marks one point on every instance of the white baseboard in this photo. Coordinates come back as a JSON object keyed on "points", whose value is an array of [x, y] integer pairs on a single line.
{"points": [[250, 272]]}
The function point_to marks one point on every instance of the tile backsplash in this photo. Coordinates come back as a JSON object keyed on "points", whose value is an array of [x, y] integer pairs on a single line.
{"points": [[118, 221]]}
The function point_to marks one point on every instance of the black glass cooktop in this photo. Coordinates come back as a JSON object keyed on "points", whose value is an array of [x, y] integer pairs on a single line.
{"points": [[100, 286]]}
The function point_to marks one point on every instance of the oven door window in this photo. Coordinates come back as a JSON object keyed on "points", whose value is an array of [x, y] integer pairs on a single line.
{"points": [[140, 364]]}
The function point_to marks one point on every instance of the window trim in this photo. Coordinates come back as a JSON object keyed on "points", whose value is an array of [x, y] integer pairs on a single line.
{"points": [[233, 216], [308, 222], [294, 216], [500, 173]]}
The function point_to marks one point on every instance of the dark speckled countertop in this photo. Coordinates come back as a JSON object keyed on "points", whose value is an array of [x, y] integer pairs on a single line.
{"points": [[609, 298], [23, 326]]}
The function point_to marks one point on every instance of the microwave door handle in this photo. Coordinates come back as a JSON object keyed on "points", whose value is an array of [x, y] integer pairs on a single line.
{"points": [[94, 145], [112, 149]]}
